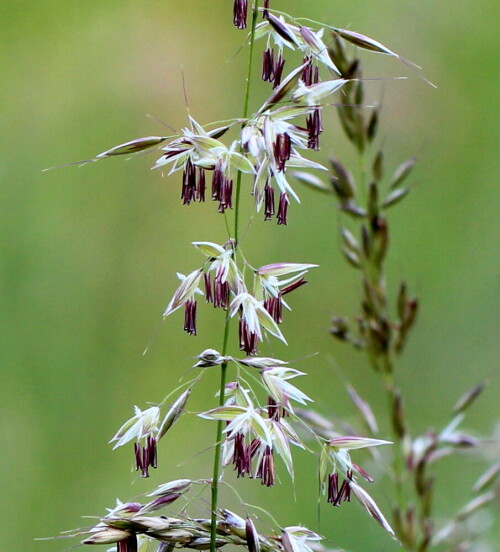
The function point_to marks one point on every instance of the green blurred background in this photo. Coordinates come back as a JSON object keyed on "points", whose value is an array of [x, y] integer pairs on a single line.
{"points": [[89, 255]]}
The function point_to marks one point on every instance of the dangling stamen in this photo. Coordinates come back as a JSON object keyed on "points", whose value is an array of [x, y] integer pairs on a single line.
{"points": [[145, 462], [268, 202], [293, 286], [315, 79], [265, 471], [254, 447], [146, 456], [344, 494], [208, 288], [310, 74], [282, 150], [201, 185], [190, 317], [278, 69], [248, 340], [138, 457], [338, 495], [228, 194], [221, 293], [268, 65], [307, 73], [152, 452], [188, 183], [242, 459], [283, 209], [226, 200], [347, 492], [274, 307], [333, 487], [240, 13], [217, 183], [314, 129]]}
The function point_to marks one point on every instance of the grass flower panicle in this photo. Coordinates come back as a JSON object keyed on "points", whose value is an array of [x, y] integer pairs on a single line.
{"points": [[146, 430], [260, 422], [224, 287]]}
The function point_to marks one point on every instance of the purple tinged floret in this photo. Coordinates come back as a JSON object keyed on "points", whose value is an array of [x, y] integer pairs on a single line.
{"points": [[222, 189], [163, 501], [248, 340], [146, 456], [188, 183], [272, 69], [193, 184], [221, 293]]}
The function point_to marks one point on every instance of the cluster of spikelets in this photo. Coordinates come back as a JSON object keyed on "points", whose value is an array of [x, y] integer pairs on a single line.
{"points": [[254, 436], [136, 525], [267, 144], [269, 141]]}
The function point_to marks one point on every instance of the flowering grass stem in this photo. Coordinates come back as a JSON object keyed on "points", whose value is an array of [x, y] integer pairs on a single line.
{"points": [[245, 115], [254, 429], [218, 443], [363, 177], [398, 460], [223, 372], [374, 276]]}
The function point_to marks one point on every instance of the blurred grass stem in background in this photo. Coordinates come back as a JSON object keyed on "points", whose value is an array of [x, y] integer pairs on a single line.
{"points": [[375, 275]]}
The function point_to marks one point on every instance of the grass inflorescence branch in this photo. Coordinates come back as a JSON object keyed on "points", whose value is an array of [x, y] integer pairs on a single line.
{"points": [[382, 336]]}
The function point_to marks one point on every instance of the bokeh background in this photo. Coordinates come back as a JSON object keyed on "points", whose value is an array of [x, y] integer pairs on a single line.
{"points": [[89, 255]]}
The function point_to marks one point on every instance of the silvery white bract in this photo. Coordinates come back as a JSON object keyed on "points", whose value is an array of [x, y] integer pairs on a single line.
{"points": [[142, 424]]}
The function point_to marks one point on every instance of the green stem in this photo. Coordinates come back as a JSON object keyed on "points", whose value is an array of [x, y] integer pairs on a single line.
{"points": [[218, 444], [375, 277], [363, 177], [398, 462], [245, 115], [223, 373]]}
